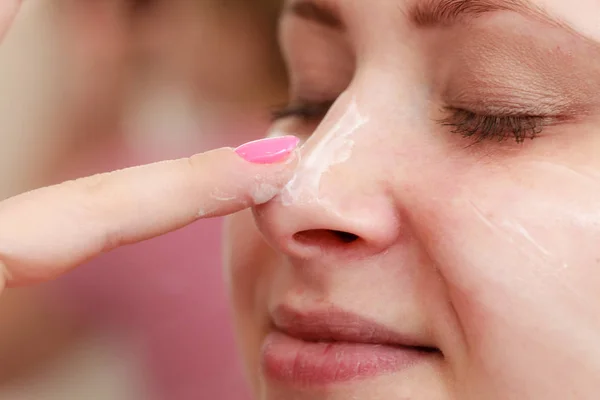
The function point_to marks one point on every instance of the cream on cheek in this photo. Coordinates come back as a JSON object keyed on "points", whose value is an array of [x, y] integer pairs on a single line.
{"points": [[322, 153], [520, 253]]}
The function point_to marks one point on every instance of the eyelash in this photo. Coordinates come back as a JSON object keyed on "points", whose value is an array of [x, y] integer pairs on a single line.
{"points": [[466, 123], [493, 127]]}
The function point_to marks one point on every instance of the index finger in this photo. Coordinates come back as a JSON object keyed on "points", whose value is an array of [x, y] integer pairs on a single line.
{"points": [[48, 231]]}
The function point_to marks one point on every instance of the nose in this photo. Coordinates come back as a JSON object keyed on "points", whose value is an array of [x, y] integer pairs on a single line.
{"points": [[338, 204]]}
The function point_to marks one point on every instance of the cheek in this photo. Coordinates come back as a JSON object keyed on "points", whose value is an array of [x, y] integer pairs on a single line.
{"points": [[247, 260], [520, 254]]}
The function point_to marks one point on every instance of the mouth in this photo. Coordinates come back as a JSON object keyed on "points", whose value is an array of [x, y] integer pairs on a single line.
{"points": [[331, 346]]}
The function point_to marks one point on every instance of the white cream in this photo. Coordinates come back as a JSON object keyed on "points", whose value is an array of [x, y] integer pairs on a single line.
{"points": [[335, 148], [523, 241], [264, 193], [218, 194]]}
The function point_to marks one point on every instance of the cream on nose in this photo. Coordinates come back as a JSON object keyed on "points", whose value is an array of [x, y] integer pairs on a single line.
{"points": [[332, 149]]}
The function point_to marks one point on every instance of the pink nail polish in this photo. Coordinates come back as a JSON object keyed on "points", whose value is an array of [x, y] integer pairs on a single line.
{"points": [[268, 151]]}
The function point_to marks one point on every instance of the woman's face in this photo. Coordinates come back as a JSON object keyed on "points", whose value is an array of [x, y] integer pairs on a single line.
{"points": [[441, 237]]}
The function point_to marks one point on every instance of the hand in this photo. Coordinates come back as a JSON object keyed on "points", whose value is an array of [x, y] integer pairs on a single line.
{"points": [[48, 231]]}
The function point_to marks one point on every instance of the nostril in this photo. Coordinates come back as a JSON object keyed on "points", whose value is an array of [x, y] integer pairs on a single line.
{"points": [[345, 237], [325, 237]]}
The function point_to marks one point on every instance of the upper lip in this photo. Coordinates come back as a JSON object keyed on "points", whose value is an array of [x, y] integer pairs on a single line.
{"points": [[336, 325]]}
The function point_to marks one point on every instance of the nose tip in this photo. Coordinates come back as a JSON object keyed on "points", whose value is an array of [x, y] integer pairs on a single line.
{"points": [[310, 230]]}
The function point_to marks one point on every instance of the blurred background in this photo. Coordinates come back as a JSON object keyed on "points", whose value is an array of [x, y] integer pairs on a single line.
{"points": [[92, 86]]}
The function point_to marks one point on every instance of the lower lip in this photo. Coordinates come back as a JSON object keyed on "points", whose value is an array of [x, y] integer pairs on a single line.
{"points": [[290, 360]]}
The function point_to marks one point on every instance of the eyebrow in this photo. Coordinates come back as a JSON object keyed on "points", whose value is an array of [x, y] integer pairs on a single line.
{"points": [[428, 13], [432, 13], [436, 13]]}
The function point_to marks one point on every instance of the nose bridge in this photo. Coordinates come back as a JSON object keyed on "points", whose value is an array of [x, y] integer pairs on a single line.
{"points": [[330, 148]]}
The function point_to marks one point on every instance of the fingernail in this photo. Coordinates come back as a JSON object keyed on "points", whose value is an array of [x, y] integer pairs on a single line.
{"points": [[268, 151]]}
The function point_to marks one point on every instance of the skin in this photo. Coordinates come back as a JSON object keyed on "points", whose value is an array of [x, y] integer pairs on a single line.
{"points": [[487, 251], [496, 267]]}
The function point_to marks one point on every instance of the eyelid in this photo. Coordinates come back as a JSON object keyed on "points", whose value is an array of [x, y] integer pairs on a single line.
{"points": [[321, 14], [515, 104], [481, 95], [307, 110]]}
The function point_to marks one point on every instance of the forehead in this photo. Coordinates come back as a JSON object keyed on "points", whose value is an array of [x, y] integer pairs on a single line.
{"points": [[581, 15]]}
